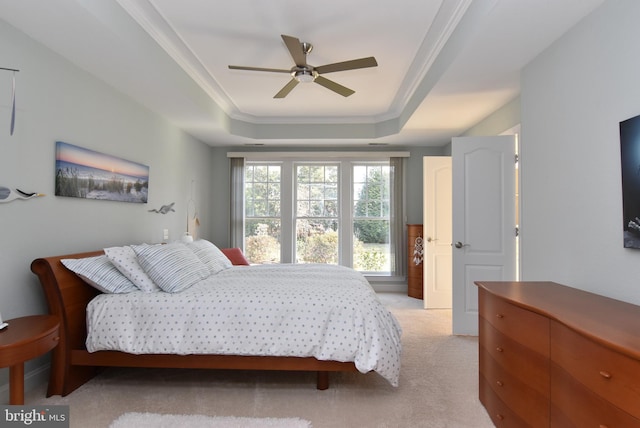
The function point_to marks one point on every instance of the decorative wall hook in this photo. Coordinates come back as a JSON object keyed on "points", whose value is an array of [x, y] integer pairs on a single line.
{"points": [[8, 195]]}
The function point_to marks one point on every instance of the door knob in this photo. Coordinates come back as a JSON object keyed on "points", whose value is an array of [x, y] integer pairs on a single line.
{"points": [[430, 239], [460, 244]]}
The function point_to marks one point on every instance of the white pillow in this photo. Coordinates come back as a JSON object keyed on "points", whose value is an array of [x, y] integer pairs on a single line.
{"points": [[210, 255], [173, 267], [101, 274], [126, 261]]}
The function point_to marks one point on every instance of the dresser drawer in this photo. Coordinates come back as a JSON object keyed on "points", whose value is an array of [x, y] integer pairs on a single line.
{"points": [[528, 328], [611, 375], [501, 415], [573, 405], [520, 362], [529, 404]]}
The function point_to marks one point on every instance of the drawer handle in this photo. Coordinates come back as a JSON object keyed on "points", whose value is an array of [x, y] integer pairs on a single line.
{"points": [[499, 349], [602, 426], [499, 315], [57, 338], [500, 417], [499, 383], [605, 375]]}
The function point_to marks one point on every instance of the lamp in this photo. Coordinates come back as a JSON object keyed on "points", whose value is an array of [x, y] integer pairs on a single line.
{"points": [[192, 222], [3, 324], [304, 75]]}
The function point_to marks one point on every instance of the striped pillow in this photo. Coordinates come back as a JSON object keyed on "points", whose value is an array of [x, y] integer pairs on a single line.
{"points": [[210, 255], [101, 274], [126, 261], [173, 267]]}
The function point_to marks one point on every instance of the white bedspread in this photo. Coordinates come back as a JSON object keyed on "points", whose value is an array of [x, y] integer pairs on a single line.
{"points": [[325, 311]]}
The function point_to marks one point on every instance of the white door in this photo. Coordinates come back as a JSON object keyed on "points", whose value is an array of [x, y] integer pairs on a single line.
{"points": [[437, 232], [484, 241]]}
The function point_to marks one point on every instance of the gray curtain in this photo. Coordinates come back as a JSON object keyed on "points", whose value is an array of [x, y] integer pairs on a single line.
{"points": [[236, 214], [398, 228]]}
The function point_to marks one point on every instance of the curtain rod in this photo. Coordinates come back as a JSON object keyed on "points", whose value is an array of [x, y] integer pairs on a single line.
{"points": [[8, 69]]}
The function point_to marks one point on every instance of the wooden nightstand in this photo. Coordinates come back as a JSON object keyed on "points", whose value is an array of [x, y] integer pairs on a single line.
{"points": [[24, 339]]}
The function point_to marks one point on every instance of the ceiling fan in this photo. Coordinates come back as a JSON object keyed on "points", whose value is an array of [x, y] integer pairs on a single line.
{"points": [[305, 73]]}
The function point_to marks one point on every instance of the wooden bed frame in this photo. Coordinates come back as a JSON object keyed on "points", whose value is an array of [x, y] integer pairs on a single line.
{"points": [[72, 365]]}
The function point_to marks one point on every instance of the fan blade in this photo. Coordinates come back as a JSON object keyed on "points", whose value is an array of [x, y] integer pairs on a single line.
{"points": [[295, 49], [274, 70], [330, 84], [347, 65], [287, 88]]}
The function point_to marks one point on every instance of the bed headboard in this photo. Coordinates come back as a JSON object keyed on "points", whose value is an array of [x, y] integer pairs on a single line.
{"points": [[67, 296]]}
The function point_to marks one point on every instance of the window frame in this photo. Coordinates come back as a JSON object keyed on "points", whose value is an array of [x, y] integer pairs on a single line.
{"points": [[397, 161]]}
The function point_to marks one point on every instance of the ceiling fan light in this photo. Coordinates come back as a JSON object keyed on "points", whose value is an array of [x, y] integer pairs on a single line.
{"points": [[304, 76]]}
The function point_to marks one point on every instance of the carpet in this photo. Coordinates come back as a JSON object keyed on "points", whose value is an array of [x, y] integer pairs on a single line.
{"points": [[157, 420]]}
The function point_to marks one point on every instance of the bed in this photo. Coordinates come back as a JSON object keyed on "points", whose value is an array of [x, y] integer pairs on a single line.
{"points": [[328, 316]]}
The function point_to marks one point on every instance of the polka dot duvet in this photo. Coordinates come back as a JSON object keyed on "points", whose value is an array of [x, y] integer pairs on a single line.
{"points": [[305, 310]]}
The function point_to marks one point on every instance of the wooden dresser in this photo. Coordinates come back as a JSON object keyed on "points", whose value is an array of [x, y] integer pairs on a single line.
{"points": [[552, 355], [415, 269]]}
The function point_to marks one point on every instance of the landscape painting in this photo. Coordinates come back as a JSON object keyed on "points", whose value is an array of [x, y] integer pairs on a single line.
{"points": [[84, 173], [630, 162]]}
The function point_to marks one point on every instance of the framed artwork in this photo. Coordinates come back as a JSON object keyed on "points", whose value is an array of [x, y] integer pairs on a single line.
{"points": [[630, 162], [84, 173]]}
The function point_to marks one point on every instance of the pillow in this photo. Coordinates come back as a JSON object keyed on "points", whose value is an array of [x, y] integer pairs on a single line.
{"points": [[125, 260], [173, 267], [235, 256], [210, 255], [101, 274]]}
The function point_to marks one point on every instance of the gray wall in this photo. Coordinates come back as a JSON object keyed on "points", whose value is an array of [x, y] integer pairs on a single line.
{"points": [[57, 101], [573, 97]]}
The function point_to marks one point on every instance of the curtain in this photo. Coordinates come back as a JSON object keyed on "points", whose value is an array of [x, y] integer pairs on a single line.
{"points": [[236, 214], [397, 226]]}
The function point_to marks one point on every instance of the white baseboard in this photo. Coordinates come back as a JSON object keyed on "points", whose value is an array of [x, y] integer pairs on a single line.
{"points": [[32, 379]]}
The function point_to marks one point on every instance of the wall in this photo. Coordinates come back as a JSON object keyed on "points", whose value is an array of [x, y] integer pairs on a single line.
{"points": [[506, 117], [57, 101], [573, 97]]}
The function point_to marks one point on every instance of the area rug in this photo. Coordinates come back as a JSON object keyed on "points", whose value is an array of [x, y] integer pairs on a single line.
{"points": [[156, 420]]}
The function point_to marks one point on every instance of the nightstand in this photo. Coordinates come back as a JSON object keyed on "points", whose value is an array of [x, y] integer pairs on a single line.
{"points": [[24, 339]]}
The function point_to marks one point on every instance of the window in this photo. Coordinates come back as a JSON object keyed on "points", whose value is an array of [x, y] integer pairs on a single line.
{"points": [[340, 211], [262, 196], [371, 217], [317, 213]]}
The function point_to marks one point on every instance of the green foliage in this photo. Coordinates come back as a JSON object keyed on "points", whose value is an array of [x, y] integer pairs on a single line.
{"points": [[261, 247], [368, 259], [263, 226], [372, 208], [318, 248]]}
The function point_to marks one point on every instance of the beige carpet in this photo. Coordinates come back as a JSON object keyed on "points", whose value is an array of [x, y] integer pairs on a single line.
{"points": [[438, 387], [156, 420]]}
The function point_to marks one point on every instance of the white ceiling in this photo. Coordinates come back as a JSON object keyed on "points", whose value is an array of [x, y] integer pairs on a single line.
{"points": [[443, 65]]}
